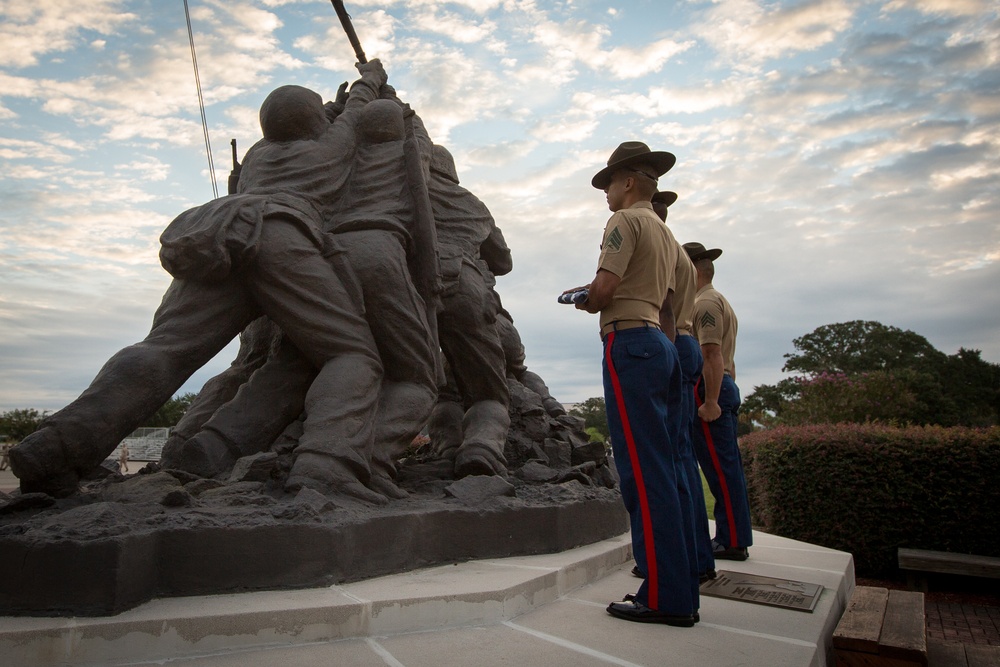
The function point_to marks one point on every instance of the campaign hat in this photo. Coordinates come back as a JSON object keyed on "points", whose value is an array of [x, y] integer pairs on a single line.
{"points": [[634, 154], [697, 251], [665, 197]]}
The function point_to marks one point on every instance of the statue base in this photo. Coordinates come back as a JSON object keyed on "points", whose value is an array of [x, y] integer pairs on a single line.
{"points": [[78, 557]]}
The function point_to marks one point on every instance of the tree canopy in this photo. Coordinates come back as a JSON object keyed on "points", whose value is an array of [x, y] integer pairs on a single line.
{"points": [[16, 425], [595, 415], [171, 412], [857, 347], [864, 371]]}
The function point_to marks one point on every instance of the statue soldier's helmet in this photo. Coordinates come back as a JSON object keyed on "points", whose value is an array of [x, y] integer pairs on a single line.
{"points": [[292, 112], [382, 121], [443, 164]]}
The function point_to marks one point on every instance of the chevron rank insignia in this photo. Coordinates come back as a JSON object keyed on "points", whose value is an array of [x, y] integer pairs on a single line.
{"points": [[707, 320], [615, 239]]}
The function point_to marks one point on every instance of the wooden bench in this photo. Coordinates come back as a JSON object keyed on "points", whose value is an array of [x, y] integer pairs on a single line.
{"points": [[881, 628], [915, 561]]}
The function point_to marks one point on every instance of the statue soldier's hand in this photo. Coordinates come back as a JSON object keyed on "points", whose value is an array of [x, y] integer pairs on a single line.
{"points": [[335, 108], [342, 94], [374, 66]]}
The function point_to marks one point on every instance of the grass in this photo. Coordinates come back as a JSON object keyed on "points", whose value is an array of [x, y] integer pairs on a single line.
{"points": [[709, 498]]}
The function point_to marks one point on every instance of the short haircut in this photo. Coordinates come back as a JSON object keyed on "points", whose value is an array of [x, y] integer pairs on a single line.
{"points": [[706, 267], [645, 185]]}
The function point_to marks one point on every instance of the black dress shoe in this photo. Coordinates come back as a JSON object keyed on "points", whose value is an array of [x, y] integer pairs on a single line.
{"points": [[632, 610], [707, 575], [732, 553], [629, 597], [636, 572]]}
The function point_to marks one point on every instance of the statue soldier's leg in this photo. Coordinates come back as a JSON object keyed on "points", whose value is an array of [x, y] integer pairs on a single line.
{"points": [[193, 323], [513, 352], [298, 288], [469, 340], [256, 343], [397, 316], [445, 425], [272, 398]]}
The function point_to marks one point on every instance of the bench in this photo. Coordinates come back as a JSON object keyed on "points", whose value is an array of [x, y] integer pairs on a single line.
{"points": [[915, 561], [881, 628]]}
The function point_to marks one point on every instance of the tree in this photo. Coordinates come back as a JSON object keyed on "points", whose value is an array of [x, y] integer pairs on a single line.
{"points": [[171, 412], [595, 415], [859, 346], [766, 401], [972, 385], [866, 371], [16, 425]]}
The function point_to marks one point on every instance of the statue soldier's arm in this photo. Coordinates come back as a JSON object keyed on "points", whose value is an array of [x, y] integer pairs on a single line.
{"points": [[496, 254], [367, 88]]}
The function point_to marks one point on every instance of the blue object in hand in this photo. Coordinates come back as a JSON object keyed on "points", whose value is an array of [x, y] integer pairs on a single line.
{"points": [[578, 296]]}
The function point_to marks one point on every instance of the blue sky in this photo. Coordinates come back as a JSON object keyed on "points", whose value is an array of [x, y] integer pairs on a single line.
{"points": [[844, 154]]}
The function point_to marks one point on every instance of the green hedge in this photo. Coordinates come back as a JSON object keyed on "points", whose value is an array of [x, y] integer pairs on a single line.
{"points": [[870, 489]]}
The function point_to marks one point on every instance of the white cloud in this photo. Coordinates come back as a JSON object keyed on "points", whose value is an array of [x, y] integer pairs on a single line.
{"points": [[30, 30], [20, 149], [453, 26], [947, 7], [579, 42], [747, 32]]}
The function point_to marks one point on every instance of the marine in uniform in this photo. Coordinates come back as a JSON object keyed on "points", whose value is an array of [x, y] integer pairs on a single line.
{"points": [[642, 382], [718, 401], [691, 361]]}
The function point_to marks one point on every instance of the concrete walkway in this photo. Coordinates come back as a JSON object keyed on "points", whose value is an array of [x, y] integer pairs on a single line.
{"points": [[537, 610]]}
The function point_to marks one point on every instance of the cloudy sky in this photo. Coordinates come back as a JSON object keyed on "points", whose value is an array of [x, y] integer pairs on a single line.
{"points": [[845, 154]]}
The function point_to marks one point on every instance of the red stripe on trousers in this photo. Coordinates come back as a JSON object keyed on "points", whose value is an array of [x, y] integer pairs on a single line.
{"points": [[710, 443], [647, 523]]}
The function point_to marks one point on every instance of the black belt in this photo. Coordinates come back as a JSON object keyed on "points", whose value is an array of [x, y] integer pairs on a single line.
{"points": [[619, 325]]}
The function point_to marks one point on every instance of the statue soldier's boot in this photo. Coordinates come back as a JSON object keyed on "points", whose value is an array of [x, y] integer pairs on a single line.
{"points": [[485, 425], [206, 454], [40, 463], [535, 383], [330, 476], [445, 428], [403, 410]]}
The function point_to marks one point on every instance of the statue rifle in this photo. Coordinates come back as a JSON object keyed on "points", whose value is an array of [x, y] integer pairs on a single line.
{"points": [[234, 175], [345, 20]]}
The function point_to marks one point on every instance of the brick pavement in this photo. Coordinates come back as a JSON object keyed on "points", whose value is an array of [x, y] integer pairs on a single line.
{"points": [[965, 623]]}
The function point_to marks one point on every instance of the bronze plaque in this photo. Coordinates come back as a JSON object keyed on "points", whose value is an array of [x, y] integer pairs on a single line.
{"points": [[785, 593]]}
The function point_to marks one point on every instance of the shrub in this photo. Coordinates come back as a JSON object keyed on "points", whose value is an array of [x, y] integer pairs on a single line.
{"points": [[870, 489]]}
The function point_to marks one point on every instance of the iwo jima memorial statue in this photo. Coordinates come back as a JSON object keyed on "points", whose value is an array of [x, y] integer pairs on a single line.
{"points": [[359, 276]]}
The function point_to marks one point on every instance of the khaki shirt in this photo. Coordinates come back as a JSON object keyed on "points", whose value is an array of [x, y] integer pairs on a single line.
{"points": [[686, 282], [639, 249], [715, 324]]}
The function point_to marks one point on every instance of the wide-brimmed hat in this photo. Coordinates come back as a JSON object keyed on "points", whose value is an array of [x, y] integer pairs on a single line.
{"points": [[697, 251], [665, 197], [634, 154]]}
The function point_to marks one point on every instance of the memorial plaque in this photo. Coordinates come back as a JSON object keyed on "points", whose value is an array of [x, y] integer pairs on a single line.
{"points": [[785, 593]]}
